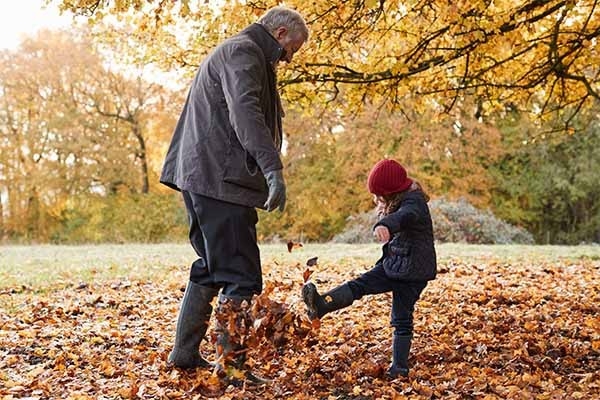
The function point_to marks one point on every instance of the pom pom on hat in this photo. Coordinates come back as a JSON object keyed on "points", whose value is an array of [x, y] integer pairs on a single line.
{"points": [[387, 177]]}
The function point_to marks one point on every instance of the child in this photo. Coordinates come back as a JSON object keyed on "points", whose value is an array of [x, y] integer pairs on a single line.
{"points": [[407, 264]]}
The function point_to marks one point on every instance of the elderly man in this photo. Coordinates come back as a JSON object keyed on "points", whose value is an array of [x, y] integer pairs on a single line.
{"points": [[225, 159]]}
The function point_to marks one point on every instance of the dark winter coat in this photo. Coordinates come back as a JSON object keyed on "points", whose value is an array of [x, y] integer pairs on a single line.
{"points": [[229, 132], [410, 254]]}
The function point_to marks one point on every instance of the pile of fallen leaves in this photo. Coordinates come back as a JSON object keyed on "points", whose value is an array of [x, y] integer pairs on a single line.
{"points": [[491, 329]]}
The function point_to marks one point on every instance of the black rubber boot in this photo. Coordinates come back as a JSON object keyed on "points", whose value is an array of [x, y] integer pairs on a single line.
{"points": [[192, 324], [318, 305], [232, 328], [400, 351]]}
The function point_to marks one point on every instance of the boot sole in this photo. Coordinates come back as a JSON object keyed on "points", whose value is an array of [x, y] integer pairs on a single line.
{"points": [[257, 380], [248, 378], [309, 293], [394, 373], [190, 364]]}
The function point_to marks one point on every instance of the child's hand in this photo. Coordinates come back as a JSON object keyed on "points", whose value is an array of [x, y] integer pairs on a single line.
{"points": [[382, 233]]}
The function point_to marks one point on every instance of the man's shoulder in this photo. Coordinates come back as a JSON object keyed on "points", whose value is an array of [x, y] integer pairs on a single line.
{"points": [[236, 49], [239, 42]]}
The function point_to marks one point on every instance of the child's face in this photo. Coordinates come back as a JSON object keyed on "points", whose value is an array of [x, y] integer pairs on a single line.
{"points": [[379, 202]]}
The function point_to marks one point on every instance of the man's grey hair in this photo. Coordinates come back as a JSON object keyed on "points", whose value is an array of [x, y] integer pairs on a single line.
{"points": [[280, 16]]}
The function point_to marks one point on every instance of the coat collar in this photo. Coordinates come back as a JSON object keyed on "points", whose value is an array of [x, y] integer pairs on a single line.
{"points": [[268, 44]]}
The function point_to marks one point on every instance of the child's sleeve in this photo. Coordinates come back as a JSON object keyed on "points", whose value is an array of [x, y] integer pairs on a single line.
{"points": [[405, 216]]}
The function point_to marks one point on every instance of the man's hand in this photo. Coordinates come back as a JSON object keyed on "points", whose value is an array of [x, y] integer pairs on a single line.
{"points": [[382, 233], [276, 190]]}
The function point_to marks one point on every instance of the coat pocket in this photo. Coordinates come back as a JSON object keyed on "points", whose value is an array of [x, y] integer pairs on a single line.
{"points": [[241, 169], [397, 264]]}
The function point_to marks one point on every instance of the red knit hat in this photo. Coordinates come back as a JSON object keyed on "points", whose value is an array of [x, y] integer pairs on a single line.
{"points": [[387, 177]]}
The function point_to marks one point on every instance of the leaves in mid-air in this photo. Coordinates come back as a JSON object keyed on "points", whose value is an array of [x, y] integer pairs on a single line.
{"points": [[311, 262], [306, 274], [291, 245]]}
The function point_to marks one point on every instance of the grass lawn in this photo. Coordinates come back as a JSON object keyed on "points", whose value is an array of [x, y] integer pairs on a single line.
{"points": [[39, 267]]}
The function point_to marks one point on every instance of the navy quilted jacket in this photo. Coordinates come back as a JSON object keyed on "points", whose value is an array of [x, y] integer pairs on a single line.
{"points": [[410, 254]]}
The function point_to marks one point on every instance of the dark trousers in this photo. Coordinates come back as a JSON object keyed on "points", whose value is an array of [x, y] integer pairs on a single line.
{"points": [[224, 237], [404, 295]]}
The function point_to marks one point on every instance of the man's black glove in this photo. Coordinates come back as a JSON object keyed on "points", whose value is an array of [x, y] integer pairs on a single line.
{"points": [[276, 190]]}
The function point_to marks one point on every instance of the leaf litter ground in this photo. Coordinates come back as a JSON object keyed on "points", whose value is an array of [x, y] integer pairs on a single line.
{"points": [[491, 329]]}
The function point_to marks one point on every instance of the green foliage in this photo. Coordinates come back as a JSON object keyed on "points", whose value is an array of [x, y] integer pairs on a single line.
{"points": [[122, 218], [552, 187]]}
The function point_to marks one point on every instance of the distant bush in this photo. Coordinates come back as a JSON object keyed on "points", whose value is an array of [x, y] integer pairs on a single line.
{"points": [[457, 222], [358, 229]]}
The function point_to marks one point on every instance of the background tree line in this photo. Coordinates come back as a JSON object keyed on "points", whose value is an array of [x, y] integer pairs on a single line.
{"points": [[82, 141]]}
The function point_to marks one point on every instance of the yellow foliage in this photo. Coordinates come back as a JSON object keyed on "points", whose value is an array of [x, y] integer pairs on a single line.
{"points": [[541, 55]]}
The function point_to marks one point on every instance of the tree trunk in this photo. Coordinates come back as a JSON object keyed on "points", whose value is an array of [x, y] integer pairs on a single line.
{"points": [[2, 227], [137, 131]]}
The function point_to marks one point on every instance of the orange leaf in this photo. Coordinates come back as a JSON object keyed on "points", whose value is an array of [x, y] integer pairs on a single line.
{"points": [[315, 323], [306, 275]]}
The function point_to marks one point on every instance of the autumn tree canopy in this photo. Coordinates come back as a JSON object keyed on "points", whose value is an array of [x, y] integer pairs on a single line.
{"points": [[70, 126], [83, 132], [540, 55]]}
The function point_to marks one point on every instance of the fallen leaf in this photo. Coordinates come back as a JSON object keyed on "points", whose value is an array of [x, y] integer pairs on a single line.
{"points": [[481, 332], [315, 323]]}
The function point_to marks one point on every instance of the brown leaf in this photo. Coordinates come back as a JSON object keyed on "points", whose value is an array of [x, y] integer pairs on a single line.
{"points": [[293, 245], [306, 275]]}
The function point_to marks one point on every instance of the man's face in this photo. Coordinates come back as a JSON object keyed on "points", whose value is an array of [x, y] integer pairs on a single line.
{"points": [[291, 42]]}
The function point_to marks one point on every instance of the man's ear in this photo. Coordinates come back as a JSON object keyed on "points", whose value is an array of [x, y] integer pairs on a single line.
{"points": [[280, 32]]}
